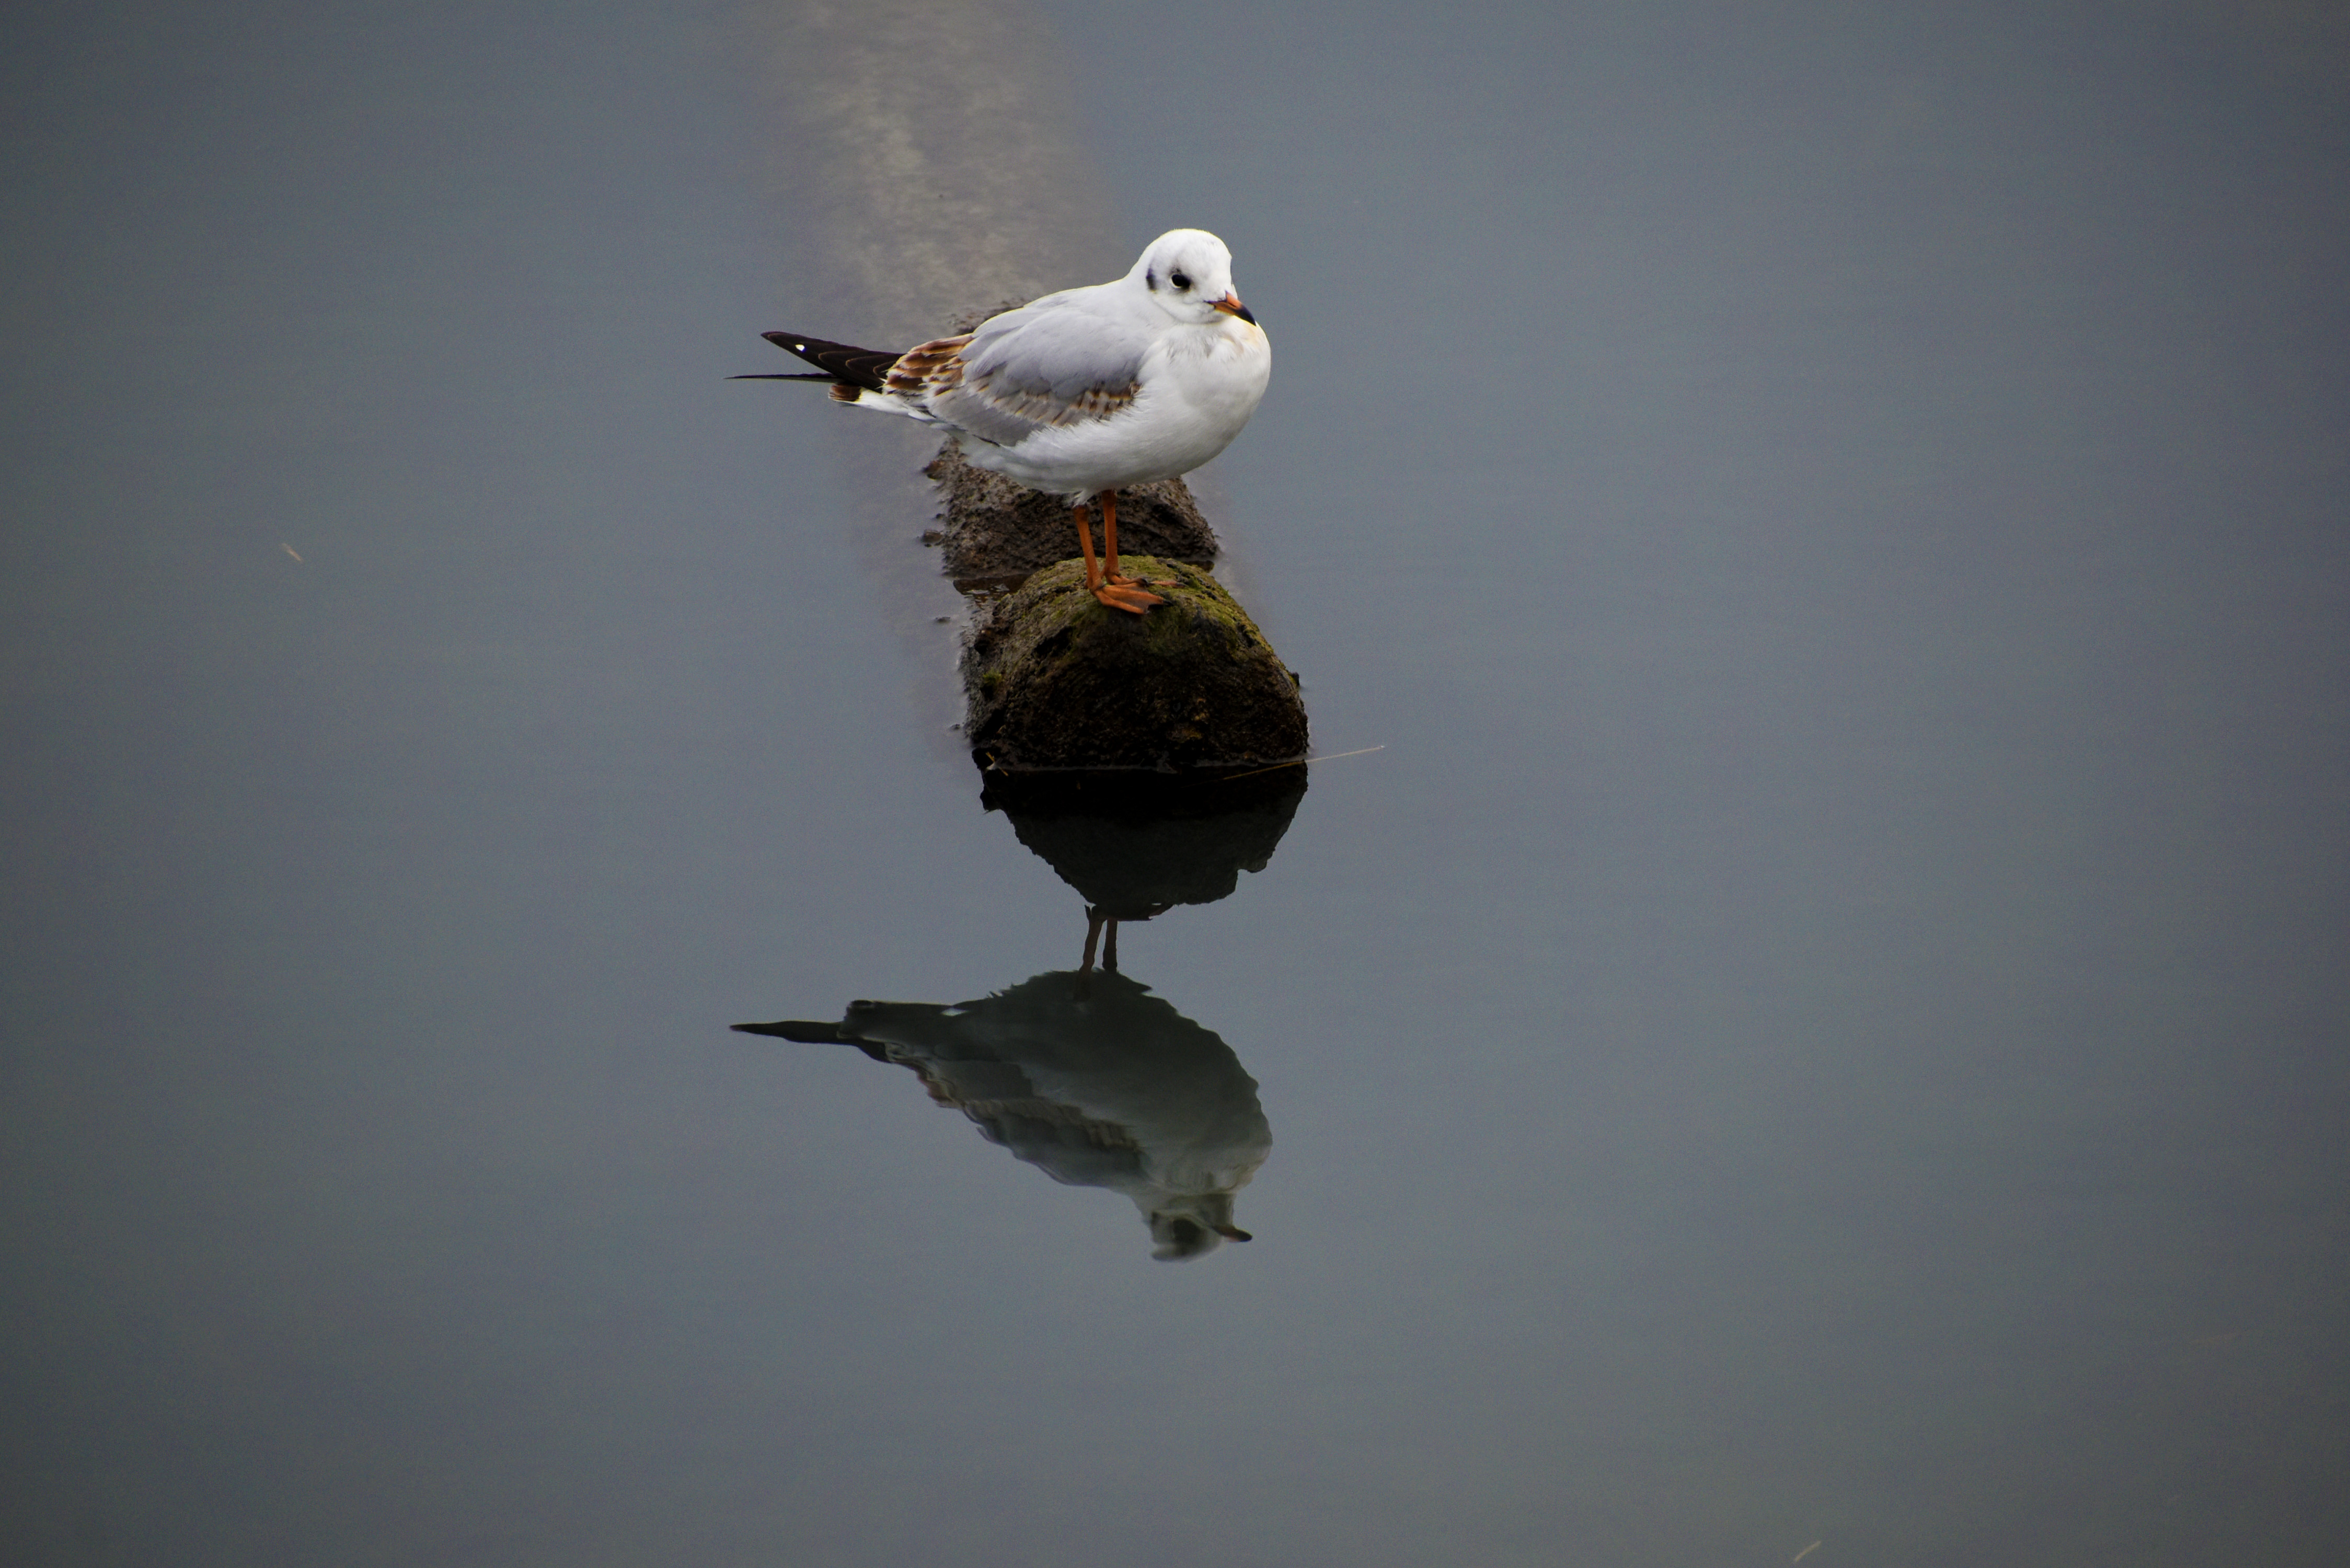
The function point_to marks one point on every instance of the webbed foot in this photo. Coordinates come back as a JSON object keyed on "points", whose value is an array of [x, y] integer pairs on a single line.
{"points": [[1124, 594]]}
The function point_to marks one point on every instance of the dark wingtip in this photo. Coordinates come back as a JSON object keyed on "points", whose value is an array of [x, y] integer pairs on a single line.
{"points": [[844, 362], [806, 1033]]}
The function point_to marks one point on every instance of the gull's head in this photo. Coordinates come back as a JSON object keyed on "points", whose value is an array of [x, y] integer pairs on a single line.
{"points": [[1188, 273]]}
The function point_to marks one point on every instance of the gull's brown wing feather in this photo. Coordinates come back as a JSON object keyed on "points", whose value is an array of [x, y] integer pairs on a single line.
{"points": [[1048, 364]]}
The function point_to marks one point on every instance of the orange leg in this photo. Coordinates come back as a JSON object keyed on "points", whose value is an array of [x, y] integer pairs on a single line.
{"points": [[1112, 588], [1085, 543], [1108, 499]]}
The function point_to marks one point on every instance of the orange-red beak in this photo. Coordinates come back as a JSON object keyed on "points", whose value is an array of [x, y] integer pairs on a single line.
{"points": [[1231, 305]]}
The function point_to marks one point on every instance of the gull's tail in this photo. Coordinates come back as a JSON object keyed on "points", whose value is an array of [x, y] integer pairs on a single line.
{"points": [[851, 370]]}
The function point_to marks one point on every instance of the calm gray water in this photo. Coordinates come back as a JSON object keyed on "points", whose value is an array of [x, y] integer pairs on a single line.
{"points": [[1820, 1033]]}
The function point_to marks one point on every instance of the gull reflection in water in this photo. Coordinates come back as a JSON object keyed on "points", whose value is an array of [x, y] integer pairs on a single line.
{"points": [[1083, 1073], [1092, 1080]]}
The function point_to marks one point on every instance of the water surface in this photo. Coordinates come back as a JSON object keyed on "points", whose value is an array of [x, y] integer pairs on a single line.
{"points": [[1824, 1023]]}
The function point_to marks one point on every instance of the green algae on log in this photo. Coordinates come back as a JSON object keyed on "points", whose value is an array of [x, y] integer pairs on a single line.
{"points": [[1055, 679]]}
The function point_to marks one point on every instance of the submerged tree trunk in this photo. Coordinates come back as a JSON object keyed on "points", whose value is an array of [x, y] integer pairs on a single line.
{"points": [[1055, 679]]}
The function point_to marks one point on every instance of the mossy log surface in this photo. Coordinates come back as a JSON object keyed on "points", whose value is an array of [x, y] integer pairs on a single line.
{"points": [[1055, 679]]}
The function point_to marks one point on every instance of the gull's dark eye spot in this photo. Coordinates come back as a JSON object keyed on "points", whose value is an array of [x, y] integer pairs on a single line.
{"points": [[1150, 281], [1179, 280]]}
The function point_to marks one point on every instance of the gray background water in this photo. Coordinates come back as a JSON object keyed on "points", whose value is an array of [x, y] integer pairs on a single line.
{"points": [[1825, 1022]]}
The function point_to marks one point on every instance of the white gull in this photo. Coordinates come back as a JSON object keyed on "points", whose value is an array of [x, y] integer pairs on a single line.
{"points": [[1083, 392]]}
